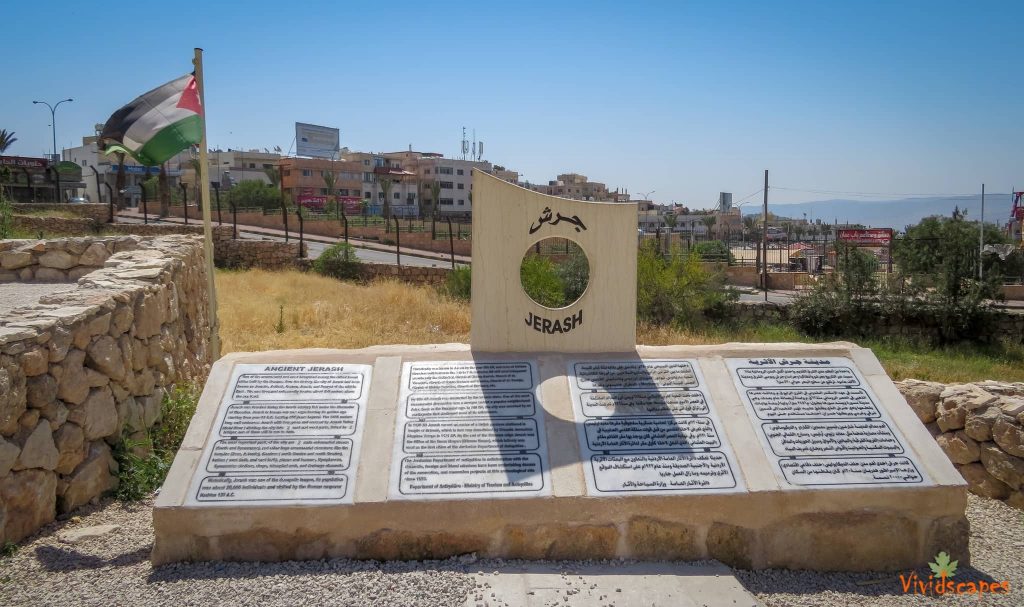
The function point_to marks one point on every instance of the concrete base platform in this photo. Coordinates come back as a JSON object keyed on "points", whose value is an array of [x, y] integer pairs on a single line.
{"points": [[707, 584], [728, 452]]}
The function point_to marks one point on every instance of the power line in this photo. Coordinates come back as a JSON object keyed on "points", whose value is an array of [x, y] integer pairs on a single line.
{"points": [[749, 196], [871, 194]]}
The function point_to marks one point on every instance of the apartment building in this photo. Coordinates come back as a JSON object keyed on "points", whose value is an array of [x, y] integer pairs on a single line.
{"points": [[578, 187], [234, 166], [303, 181], [376, 170], [453, 175]]}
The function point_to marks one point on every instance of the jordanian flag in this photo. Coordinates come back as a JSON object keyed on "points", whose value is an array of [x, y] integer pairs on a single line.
{"points": [[158, 124]]}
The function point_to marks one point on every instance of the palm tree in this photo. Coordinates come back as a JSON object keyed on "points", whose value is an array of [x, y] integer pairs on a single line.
{"points": [[164, 192], [709, 222], [195, 164], [749, 224], [330, 180], [119, 184], [435, 193], [670, 220], [6, 140], [274, 175], [750, 227], [385, 188]]}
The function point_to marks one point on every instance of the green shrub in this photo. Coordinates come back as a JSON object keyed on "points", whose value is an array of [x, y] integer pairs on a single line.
{"points": [[574, 273], [677, 290], [941, 296], [713, 250], [144, 463], [459, 283], [541, 281], [845, 302], [339, 261], [6, 217]]}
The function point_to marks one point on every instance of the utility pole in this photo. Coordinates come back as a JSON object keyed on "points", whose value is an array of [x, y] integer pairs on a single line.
{"points": [[764, 240], [981, 235]]}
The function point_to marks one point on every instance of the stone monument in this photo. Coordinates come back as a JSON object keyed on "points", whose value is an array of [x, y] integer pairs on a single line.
{"points": [[552, 435]]}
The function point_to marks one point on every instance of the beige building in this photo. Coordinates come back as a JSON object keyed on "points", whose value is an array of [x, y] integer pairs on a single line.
{"points": [[578, 187], [303, 179]]}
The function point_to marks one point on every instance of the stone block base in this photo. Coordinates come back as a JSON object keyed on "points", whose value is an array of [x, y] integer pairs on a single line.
{"points": [[760, 521]]}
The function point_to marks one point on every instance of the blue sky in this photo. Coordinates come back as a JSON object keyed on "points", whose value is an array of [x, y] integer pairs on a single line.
{"points": [[683, 98]]}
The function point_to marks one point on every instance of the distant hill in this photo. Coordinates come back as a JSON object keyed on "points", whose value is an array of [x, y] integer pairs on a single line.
{"points": [[893, 213]]}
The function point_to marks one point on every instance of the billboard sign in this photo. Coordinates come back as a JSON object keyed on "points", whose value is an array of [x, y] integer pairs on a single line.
{"points": [[311, 202], [316, 141], [874, 237], [23, 162], [353, 204]]}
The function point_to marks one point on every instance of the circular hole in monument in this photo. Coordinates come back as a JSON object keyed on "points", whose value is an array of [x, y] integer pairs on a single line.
{"points": [[555, 272]]}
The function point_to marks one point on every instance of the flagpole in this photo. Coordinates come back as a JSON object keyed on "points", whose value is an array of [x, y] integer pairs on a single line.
{"points": [[204, 190]]}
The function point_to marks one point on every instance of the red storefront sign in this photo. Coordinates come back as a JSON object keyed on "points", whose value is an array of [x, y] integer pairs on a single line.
{"points": [[873, 237], [312, 202], [353, 204], [23, 162]]}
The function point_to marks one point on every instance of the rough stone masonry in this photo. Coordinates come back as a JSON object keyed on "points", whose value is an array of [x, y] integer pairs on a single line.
{"points": [[980, 427], [85, 367]]}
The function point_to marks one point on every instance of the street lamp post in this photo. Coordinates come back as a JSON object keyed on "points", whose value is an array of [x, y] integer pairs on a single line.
{"points": [[53, 124]]}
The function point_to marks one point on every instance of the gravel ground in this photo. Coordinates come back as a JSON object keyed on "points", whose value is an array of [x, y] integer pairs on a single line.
{"points": [[997, 543], [114, 570], [16, 294]]}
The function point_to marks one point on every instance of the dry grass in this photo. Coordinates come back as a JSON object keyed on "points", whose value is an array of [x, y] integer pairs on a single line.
{"points": [[326, 313]]}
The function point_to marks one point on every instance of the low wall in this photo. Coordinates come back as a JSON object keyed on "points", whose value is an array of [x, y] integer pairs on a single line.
{"points": [[980, 427], [83, 368], [742, 276], [265, 254], [334, 228], [58, 225], [92, 210], [410, 274], [1008, 324], [89, 227], [1013, 292]]}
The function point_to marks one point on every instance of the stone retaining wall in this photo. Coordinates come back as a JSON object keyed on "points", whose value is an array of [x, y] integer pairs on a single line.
{"points": [[78, 226], [83, 368], [92, 210], [265, 254], [228, 253], [410, 274], [980, 426], [89, 227], [1009, 324]]}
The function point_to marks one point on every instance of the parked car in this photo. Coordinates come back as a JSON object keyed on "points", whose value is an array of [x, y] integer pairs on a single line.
{"points": [[78, 200]]}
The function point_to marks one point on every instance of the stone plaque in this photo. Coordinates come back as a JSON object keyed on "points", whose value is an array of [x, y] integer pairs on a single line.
{"points": [[649, 427], [285, 434], [820, 423], [469, 429]]}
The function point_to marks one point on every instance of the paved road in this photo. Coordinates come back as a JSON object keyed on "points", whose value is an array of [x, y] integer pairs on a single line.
{"points": [[315, 247], [779, 297]]}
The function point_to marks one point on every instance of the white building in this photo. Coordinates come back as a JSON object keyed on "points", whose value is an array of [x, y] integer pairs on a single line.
{"points": [[100, 170], [455, 176]]}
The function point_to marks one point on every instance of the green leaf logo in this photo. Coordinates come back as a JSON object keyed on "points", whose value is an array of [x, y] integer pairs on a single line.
{"points": [[943, 567]]}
